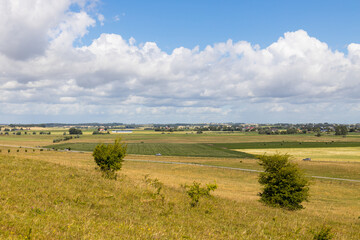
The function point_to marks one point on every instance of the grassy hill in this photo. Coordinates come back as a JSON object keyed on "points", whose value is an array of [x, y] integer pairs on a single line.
{"points": [[59, 195]]}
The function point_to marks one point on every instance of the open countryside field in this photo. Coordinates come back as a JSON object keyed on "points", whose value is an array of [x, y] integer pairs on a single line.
{"points": [[139, 136], [341, 154], [60, 195]]}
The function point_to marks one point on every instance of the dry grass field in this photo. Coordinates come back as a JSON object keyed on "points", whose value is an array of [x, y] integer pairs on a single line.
{"points": [[346, 154], [60, 195]]}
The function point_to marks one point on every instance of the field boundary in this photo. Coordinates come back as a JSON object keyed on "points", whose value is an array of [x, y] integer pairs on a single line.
{"points": [[233, 168]]}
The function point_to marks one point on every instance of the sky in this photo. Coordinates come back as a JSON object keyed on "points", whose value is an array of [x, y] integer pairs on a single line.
{"points": [[141, 61]]}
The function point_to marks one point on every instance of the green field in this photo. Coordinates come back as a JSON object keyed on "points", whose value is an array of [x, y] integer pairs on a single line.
{"points": [[165, 149], [222, 150]]}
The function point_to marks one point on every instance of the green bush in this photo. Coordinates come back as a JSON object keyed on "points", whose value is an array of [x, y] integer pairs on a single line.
{"points": [[110, 157], [284, 183], [195, 192], [323, 234], [75, 131]]}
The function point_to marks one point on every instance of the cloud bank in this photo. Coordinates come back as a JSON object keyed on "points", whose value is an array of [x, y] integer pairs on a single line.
{"points": [[44, 77]]}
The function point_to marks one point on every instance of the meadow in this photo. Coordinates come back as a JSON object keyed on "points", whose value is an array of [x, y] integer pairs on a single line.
{"points": [[61, 195]]}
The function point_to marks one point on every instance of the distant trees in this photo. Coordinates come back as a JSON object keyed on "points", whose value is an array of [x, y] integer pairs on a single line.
{"points": [[341, 130], [75, 131], [284, 183]]}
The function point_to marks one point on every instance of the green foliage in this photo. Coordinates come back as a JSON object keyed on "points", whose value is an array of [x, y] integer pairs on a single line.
{"points": [[341, 130], [323, 234], [195, 192], [75, 131], [66, 138], [110, 157], [284, 184]]}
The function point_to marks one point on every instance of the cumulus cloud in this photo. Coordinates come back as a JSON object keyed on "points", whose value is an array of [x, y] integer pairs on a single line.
{"points": [[115, 77]]}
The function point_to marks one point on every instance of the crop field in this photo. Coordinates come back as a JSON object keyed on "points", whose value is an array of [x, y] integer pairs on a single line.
{"points": [[341, 154], [48, 194], [166, 149]]}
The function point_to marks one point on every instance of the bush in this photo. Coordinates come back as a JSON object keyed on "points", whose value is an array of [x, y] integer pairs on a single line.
{"points": [[110, 157], [75, 131], [195, 192], [284, 184], [323, 234]]}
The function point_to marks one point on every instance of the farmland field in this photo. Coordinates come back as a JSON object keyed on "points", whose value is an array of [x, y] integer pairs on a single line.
{"points": [[342, 154], [166, 149], [47, 194]]}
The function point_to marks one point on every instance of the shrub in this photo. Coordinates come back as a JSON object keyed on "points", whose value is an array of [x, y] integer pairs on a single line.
{"points": [[195, 192], [323, 234], [284, 183], [110, 157], [75, 131], [155, 183]]}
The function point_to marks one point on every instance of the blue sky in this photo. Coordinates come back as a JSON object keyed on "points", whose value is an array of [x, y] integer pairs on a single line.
{"points": [[179, 61], [189, 23]]}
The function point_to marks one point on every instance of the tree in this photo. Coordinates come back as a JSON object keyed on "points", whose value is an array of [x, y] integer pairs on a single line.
{"points": [[284, 183], [75, 131], [341, 130], [110, 157]]}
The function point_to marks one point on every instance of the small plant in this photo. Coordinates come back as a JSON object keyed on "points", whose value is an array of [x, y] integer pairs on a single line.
{"points": [[28, 235], [323, 234], [110, 157], [8, 150], [195, 192], [156, 184], [284, 184]]}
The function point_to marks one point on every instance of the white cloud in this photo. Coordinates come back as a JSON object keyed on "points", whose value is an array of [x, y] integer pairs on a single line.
{"points": [[101, 19], [116, 76]]}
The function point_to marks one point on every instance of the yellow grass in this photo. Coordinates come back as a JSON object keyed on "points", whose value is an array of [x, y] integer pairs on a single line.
{"points": [[331, 203], [344, 154]]}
